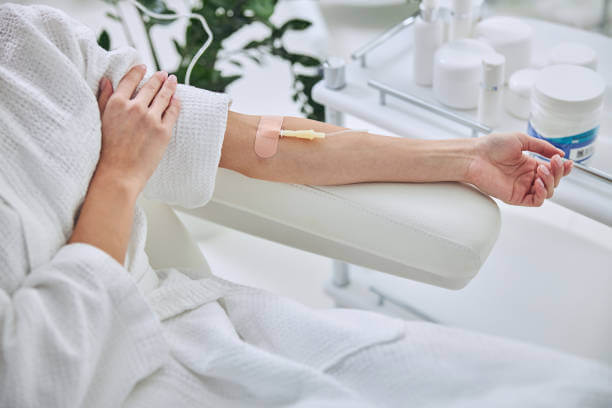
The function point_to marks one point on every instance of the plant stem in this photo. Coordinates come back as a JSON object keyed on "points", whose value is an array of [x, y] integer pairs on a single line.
{"points": [[151, 47]]}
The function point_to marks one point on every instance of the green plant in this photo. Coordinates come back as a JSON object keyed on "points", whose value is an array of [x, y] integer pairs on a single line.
{"points": [[226, 17]]}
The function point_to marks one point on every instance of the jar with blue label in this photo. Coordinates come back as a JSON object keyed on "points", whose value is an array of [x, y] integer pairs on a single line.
{"points": [[566, 107]]}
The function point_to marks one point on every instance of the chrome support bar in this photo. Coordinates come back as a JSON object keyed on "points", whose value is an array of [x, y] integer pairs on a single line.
{"points": [[362, 52], [385, 90], [410, 309], [598, 173]]}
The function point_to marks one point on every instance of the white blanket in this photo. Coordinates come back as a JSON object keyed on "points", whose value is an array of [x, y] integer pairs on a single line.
{"points": [[78, 329]]}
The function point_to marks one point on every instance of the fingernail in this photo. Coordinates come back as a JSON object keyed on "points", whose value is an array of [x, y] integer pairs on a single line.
{"points": [[164, 74], [559, 161], [172, 78], [540, 182], [544, 170]]}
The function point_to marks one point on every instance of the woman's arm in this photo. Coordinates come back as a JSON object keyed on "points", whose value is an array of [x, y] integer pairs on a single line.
{"points": [[344, 158], [135, 133], [496, 164]]}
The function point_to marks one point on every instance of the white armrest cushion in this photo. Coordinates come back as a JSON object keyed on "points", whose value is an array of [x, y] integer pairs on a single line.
{"points": [[438, 233]]}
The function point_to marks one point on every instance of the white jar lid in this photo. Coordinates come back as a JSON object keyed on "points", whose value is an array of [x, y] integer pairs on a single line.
{"points": [[569, 89], [461, 60], [573, 53], [500, 31], [521, 82]]}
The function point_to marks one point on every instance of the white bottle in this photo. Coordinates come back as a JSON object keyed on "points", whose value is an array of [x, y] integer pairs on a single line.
{"points": [[461, 20], [428, 36], [490, 96]]}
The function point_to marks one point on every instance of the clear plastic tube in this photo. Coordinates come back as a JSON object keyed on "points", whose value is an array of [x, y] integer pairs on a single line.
{"points": [[338, 132]]}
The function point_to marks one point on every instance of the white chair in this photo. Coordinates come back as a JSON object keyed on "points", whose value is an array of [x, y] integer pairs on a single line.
{"points": [[439, 233]]}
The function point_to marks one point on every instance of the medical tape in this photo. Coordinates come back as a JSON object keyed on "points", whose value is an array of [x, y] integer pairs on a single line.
{"points": [[268, 133]]}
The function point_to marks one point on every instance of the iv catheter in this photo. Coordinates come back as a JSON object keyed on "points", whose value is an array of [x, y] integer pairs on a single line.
{"points": [[269, 131]]}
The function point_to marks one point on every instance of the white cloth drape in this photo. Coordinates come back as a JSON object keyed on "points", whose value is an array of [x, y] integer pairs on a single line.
{"points": [[78, 329]]}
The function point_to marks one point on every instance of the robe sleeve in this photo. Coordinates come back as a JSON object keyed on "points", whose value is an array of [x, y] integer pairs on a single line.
{"points": [[186, 174], [75, 329]]}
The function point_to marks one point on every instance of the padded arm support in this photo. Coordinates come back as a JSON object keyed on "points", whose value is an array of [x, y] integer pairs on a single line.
{"points": [[439, 233]]}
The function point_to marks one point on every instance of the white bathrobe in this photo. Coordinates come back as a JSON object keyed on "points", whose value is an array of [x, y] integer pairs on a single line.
{"points": [[78, 329]]}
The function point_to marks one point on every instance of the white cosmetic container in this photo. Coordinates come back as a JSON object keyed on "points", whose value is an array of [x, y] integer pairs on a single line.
{"points": [[510, 37], [566, 106], [491, 90], [458, 72], [428, 36], [461, 20], [573, 53], [518, 94], [446, 12]]}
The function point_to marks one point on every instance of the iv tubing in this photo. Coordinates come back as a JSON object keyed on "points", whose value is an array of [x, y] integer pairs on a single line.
{"points": [[175, 16]]}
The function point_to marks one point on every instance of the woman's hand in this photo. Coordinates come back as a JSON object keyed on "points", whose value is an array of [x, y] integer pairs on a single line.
{"points": [[136, 127], [501, 169]]}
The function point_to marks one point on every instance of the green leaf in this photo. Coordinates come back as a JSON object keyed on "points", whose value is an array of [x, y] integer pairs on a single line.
{"points": [[304, 60], [254, 59], [156, 6], [104, 40], [179, 48], [263, 9], [295, 24], [256, 44]]}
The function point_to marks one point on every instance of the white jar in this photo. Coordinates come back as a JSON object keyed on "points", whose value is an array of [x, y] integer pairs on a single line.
{"points": [[566, 106], [510, 37], [458, 72], [428, 36], [518, 95], [573, 53]]}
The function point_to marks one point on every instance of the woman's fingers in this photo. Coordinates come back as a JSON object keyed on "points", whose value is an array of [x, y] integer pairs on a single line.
{"points": [[539, 146], [567, 167], [164, 96], [128, 84], [172, 113], [150, 89], [104, 94], [545, 174], [557, 168], [539, 193]]}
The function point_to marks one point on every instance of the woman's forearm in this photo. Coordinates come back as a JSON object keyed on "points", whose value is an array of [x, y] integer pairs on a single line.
{"points": [[344, 158], [107, 215]]}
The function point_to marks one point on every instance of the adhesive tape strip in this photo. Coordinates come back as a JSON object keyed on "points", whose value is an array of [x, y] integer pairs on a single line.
{"points": [[268, 133]]}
